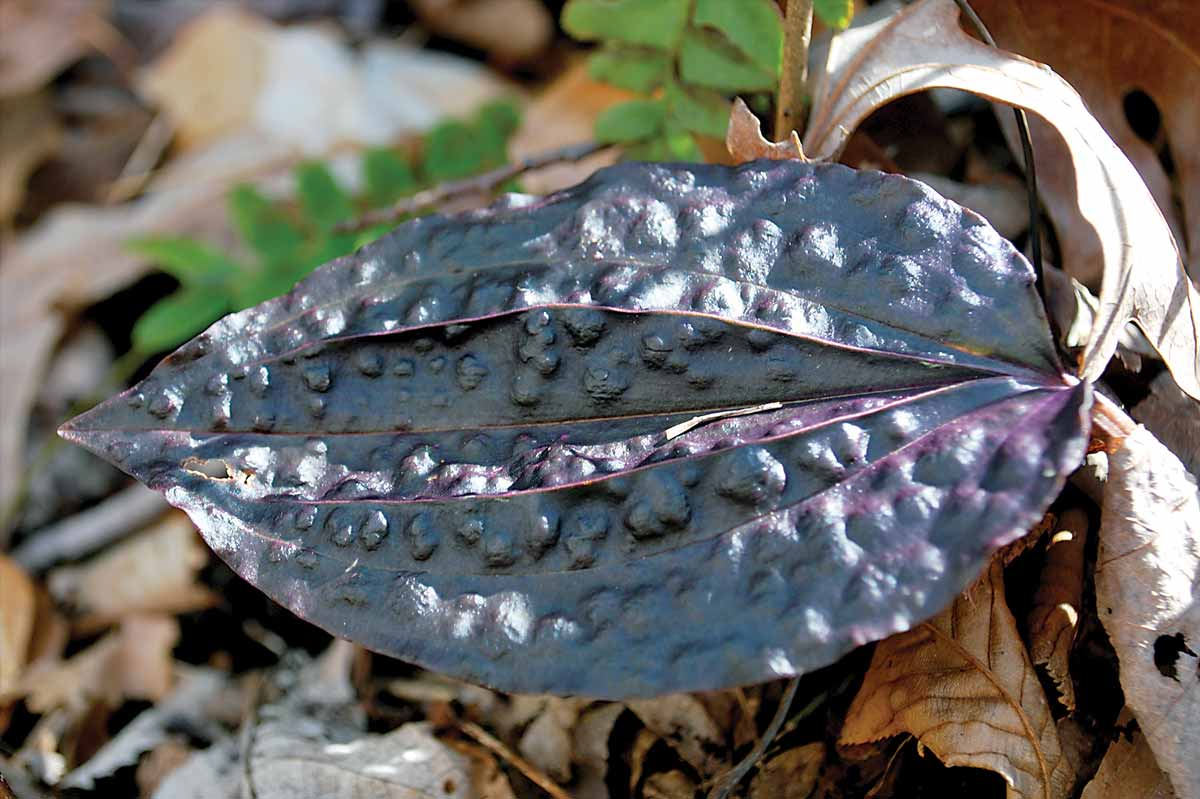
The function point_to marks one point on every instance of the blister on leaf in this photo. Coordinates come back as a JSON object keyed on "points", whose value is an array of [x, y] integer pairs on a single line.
{"points": [[451, 446]]}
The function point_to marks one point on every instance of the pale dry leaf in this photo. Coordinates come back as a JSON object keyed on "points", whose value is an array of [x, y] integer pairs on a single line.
{"points": [[304, 87], [18, 607], [590, 749], [789, 775], [1173, 418], [546, 742], [562, 114], [289, 759], [673, 784], [156, 571], [1128, 770], [1148, 597], [683, 722], [508, 30], [30, 134], [922, 47], [187, 707], [487, 777], [963, 685], [38, 38], [745, 141], [133, 662], [1108, 49], [1055, 612], [158, 764]]}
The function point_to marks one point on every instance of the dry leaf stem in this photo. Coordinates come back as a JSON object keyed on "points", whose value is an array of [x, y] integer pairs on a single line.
{"points": [[797, 34]]}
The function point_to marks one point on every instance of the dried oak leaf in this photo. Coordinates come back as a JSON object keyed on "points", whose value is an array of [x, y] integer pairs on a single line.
{"points": [[1056, 604], [1107, 50], [921, 47], [1148, 597], [963, 685], [745, 140], [453, 446]]}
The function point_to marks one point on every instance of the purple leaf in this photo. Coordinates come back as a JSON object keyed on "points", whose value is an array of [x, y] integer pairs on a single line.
{"points": [[453, 446]]}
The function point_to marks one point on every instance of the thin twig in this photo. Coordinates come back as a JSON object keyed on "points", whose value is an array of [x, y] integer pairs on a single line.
{"points": [[1031, 190], [535, 775], [793, 82], [91, 530], [726, 784], [479, 184]]}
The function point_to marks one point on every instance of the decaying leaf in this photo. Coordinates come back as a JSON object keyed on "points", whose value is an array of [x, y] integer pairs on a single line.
{"points": [[40, 37], [546, 742], [542, 533], [1056, 604], [683, 722], [922, 47], [1109, 50], [154, 572], [1174, 419], [963, 685], [29, 135], [745, 141], [1148, 596], [509, 30], [1128, 770]]}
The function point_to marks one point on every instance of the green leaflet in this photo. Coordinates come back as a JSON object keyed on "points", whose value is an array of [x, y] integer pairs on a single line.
{"points": [[635, 68], [630, 121], [324, 202], [655, 23], [705, 59], [753, 26], [192, 263], [835, 13], [698, 110], [177, 317]]}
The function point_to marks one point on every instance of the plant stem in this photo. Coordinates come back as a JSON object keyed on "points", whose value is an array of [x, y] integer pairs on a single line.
{"points": [[797, 33]]}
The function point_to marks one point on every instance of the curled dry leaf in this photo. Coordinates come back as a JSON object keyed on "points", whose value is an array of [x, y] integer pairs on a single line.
{"points": [[1148, 596], [154, 572], [942, 679], [1108, 50], [745, 140], [1128, 770], [922, 47], [1056, 604], [790, 775]]}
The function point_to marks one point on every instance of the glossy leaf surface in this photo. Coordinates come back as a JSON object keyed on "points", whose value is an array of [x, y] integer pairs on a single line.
{"points": [[452, 446]]}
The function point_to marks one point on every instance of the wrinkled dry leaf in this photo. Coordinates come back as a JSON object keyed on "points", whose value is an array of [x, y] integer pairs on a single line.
{"points": [[1107, 49], [683, 721], [789, 775], [304, 87], [288, 760], [1056, 603], [1128, 770], [1173, 418], [153, 572], [921, 47], [745, 141], [30, 134], [1148, 597], [962, 684], [563, 114], [508, 30], [17, 609], [38, 38], [134, 662], [187, 707], [673, 784]]}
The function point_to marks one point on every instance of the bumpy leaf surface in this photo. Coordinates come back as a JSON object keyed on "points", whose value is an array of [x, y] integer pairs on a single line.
{"points": [[452, 445]]}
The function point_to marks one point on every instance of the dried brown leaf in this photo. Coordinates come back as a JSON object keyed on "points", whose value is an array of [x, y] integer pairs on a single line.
{"points": [[790, 775], [1107, 49], [30, 134], [38, 38], [1056, 604], [509, 30], [1129, 771], [922, 47], [683, 722], [1173, 418], [154, 572], [1148, 597], [745, 140], [963, 685], [17, 609]]}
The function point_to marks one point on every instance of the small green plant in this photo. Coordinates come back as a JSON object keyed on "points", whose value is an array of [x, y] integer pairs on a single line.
{"points": [[284, 241], [687, 58]]}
